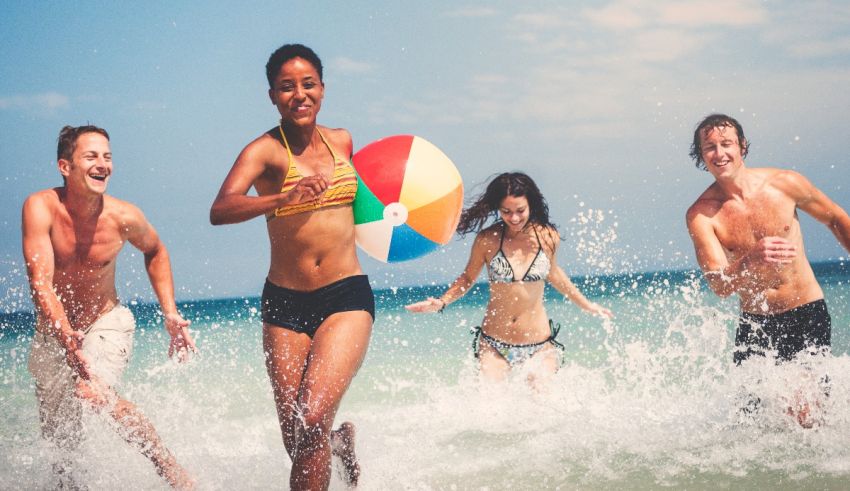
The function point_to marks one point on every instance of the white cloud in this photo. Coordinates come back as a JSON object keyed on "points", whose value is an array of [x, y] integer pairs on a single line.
{"points": [[705, 13], [44, 102], [347, 65], [615, 16], [634, 14], [664, 45]]}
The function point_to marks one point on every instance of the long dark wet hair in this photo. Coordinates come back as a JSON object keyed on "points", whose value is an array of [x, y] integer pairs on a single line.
{"points": [[486, 205]]}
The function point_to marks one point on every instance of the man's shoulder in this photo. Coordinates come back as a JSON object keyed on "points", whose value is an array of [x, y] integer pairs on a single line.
{"points": [[707, 203], [786, 181], [42, 201], [49, 195], [121, 210], [39, 210]]}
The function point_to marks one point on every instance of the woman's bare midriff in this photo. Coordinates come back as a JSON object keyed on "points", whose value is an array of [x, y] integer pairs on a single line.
{"points": [[515, 313], [313, 249]]}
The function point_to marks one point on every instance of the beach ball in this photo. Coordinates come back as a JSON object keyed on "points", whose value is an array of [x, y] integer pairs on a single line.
{"points": [[408, 200]]}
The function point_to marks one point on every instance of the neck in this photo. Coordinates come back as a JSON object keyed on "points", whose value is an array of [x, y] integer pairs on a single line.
{"points": [[737, 185], [510, 234], [82, 205], [300, 136]]}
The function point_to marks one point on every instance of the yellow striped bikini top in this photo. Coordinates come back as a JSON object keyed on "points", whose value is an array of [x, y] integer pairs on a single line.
{"points": [[341, 190]]}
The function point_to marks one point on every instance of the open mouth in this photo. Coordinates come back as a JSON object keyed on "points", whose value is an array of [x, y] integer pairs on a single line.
{"points": [[101, 178]]}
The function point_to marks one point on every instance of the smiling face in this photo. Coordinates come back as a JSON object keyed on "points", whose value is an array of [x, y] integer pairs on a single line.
{"points": [[721, 150], [90, 165], [297, 92], [514, 212]]}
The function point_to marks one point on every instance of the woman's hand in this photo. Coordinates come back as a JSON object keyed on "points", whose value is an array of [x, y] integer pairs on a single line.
{"points": [[429, 305], [308, 189], [598, 310]]}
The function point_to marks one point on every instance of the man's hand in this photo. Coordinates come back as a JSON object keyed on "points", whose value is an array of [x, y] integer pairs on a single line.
{"points": [[773, 250], [181, 341], [94, 392], [72, 341]]}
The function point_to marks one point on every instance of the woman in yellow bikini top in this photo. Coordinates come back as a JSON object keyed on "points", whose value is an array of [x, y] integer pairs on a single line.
{"points": [[317, 305], [340, 191]]}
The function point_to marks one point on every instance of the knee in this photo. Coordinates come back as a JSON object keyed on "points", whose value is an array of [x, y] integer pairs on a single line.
{"points": [[315, 426], [123, 409]]}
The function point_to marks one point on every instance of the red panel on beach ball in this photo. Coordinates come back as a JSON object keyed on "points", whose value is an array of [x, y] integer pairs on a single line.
{"points": [[382, 165]]}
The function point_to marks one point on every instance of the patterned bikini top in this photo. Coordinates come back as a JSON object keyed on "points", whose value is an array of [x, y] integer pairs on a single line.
{"points": [[341, 190], [501, 271]]}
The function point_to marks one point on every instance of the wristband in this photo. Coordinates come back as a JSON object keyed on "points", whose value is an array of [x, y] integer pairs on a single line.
{"points": [[443, 307]]}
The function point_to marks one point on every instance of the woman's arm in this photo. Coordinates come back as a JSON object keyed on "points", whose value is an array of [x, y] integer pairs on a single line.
{"points": [[561, 282], [233, 205], [460, 285]]}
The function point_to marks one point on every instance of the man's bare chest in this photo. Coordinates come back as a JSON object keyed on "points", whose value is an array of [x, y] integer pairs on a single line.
{"points": [[740, 224], [85, 248]]}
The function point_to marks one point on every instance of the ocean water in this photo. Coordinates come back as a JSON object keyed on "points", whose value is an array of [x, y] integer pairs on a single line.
{"points": [[647, 400]]}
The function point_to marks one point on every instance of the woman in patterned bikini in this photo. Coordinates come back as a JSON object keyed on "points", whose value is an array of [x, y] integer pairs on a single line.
{"points": [[317, 305], [519, 253]]}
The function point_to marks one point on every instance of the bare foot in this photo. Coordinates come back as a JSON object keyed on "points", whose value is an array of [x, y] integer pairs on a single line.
{"points": [[804, 415], [342, 445]]}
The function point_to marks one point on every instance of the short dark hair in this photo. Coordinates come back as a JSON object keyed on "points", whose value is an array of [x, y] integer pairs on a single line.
{"points": [[487, 204], [288, 52], [68, 139], [716, 121]]}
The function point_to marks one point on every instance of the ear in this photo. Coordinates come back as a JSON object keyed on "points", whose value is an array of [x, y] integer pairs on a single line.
{"points": [[271, 96], [64, 167]]}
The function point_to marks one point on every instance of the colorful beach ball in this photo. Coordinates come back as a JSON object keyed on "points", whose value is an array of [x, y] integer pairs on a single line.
{"points": [[409, 198]]}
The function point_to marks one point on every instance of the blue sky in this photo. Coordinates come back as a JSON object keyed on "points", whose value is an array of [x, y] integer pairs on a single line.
{"points": [[595, 100]]}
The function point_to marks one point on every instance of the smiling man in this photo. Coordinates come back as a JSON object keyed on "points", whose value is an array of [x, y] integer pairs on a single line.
{"points": [[71, 239], [748, 242]]}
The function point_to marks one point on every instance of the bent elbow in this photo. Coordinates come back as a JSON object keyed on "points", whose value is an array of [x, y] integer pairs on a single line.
{"points": [[216, 217]]}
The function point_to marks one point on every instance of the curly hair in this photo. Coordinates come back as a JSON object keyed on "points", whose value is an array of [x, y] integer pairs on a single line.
{"points": [[288, 52], [716, 121], [486, 205]]}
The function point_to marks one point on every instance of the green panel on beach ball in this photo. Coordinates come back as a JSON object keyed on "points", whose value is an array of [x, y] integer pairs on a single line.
{"points": [[367, 206]]}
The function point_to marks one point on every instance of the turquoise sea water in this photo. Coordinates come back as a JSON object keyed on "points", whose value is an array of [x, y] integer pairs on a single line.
{"points": [[647, 400]]}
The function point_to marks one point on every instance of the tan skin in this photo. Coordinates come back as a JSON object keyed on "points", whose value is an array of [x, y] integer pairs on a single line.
{"points": [[746, 231], [309, 376], [515, 312], [71, 239]]}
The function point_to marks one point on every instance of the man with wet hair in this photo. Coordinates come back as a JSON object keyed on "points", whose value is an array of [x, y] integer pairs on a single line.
{"points": [[71, 239], [748, 241]]}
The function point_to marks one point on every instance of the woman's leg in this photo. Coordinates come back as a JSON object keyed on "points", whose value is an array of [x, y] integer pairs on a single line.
{"points": [[286, 357], [543, 365], [338, 349], [493, 366]]}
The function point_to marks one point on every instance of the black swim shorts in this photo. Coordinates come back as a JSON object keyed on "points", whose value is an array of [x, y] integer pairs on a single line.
{"points": [[799, 329], [304, 312]]}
